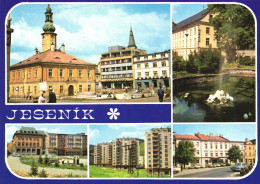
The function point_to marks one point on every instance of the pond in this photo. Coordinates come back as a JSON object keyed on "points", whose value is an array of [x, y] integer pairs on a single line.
{"points": [[196, 109]]}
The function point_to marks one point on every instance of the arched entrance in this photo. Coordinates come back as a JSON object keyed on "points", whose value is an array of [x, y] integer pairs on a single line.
{"points": [[71, 90]]}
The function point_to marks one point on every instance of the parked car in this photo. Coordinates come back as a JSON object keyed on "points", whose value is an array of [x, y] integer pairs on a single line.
{"points": [[17, 155], [238, 166], [197, 166], [176, 169], [191, 167], [217, 165], [222, 165]]}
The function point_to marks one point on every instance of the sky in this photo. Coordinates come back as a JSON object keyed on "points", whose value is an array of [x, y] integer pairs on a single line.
{"points": [[109, 133], [87, 30], [233, 132], [50, 128], [181, 12]]}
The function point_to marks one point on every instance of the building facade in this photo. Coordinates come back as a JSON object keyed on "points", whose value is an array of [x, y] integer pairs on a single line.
{"points": [[117, 65], [67, 144], [122, 153], [209, 149], [250, 151], [51, 68], [193, 34], [152, 70], [29, 141], [158, 151]]}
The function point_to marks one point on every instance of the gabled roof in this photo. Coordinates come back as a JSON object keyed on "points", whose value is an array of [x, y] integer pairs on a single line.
{"points": [[29, 130], [49, 56], [190, 20], [210, 138], [186, 137]]}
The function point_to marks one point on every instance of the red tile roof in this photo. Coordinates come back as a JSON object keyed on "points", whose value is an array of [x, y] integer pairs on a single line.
{"points": [[211, 138], [177, 136], [52, 57]]}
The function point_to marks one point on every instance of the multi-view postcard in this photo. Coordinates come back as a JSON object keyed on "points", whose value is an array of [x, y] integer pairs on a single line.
{"points": [[134, 92]]}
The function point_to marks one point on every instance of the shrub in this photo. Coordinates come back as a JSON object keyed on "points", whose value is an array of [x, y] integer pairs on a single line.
{"points": [[192, 63], [40, 160], [46, 160], [178, 63], [246, 60], [43, 174], [57, 164], [34, 169]]}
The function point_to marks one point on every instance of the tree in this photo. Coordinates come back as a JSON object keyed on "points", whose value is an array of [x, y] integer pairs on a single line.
{"points": [[43, 174], [178, 63], [185, 152], [46, 159], [40, 159], [34, 169], [234, 153], [234, 27]]}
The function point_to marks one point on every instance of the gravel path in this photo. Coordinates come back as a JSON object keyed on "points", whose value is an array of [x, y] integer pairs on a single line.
{"points": [[14, 163]]}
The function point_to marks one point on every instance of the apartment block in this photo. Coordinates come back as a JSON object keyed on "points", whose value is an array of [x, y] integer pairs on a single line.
{"points": [[158, 151], [122, 153], [67, 144], [152, 70]]}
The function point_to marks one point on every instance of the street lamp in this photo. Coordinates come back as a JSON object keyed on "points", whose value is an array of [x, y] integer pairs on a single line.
{"points": [[186, 44]]}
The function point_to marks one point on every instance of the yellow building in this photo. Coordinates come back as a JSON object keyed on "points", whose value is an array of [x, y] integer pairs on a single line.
{"points": [[51, 68], [193, 34], [250, 151]]}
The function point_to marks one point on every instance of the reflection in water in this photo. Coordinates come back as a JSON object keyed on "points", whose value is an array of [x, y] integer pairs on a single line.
{"points": [[195, 109]]}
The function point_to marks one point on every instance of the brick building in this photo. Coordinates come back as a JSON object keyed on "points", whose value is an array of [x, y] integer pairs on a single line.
{"points": [[51, 68], [29, 141]]}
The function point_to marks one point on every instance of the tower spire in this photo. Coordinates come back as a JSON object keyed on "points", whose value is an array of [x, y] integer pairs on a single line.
{"points": [[131, 39]]}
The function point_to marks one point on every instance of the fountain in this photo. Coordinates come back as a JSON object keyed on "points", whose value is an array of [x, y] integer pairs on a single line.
{"points": [[219, 98]]}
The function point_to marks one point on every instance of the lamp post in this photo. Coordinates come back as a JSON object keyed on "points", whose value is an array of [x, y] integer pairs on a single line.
{"points": [[186, 44]]}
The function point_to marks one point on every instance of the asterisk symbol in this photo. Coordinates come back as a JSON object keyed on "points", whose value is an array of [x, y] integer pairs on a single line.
{"points": [[113, 113]]}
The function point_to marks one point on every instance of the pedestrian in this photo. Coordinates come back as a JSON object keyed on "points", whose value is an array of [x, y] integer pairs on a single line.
{"points": [[41, 98], [52, 96], [161, 94], [27, 97], [30, 97], [126, 89]]}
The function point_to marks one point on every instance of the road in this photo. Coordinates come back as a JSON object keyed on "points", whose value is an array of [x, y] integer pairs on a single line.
{"points": [[220, 172]]}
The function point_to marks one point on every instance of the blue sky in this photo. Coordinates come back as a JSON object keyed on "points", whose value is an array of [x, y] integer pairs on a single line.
{"points": [[51, 128], [87, 30], [108, 133], [181, 12], [233, 132]]}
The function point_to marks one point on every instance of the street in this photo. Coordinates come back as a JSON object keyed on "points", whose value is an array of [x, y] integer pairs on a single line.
{"points": [[219, 172]]}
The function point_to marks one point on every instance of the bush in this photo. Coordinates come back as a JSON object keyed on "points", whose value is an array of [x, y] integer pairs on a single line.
{"points": [[43, 174], [178, 63], [246, 60], [46, 160], [40, 160], [34, 169], [57, 164], [192, 63]]}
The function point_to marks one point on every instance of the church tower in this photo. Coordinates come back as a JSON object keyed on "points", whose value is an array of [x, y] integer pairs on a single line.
{"points": [[48, 37], [131, 40]]}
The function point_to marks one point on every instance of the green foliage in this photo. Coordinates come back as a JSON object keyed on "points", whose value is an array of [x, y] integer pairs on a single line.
{"points": [[234, 26], [178, 63], [246, 60], [185, 152], [234, 153], [70, 175], [192, 64], [43, 174], [40, 160], [34, 169], [46, 160], [81, 165], [57, 164]]}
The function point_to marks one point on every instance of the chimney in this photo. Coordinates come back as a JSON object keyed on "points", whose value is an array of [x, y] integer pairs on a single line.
{"points": [[52, 47], [62, 48], [36, 50], [211, 134]]}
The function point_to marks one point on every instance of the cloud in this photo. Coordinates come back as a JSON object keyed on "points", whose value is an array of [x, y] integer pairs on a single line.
{"points": [[94, 133], [138, 127], [53, 130], [89, 30], [136, 134], [10, 130], [174, 6]]}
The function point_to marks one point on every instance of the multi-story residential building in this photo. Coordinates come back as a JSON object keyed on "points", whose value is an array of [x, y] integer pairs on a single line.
{"points": [[152, 70], [51, 68], [67, 144], [117, 65], [103, 154], [250, 151], [158, 151], [28, 141], [193, 34], [122, 153], [209, 149]]}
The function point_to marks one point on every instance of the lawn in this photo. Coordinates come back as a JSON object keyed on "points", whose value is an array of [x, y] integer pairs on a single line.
{"points": [[104, 172], [28, 161]]}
